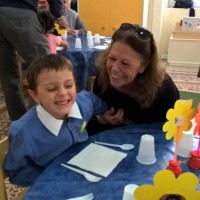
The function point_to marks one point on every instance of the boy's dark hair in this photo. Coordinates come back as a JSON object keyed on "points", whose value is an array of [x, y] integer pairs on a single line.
{"points": [[46, 19], [47, 62]]}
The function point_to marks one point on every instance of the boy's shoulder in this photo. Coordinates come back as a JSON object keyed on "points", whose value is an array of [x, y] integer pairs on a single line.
{"points": [[89, 102], [85, 98], [27, 120], [88, 98], [83, 94]]}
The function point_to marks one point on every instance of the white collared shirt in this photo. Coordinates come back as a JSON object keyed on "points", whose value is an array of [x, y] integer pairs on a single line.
{"points": [[53, 124]]}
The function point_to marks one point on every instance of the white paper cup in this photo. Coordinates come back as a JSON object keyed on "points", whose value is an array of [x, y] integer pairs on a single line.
{"points": [[78, 43], [185, 145], [146, 154], [90, 41], [89, 33], [96, 39], [64, 36], [129, 192]]}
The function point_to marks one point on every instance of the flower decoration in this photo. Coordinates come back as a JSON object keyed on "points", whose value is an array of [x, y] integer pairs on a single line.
{"points": [[180, 116], [179, 120], [59, 29], [166, 185]]}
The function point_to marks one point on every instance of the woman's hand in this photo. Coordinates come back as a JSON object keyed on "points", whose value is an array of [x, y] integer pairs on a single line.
{"points": [[71, 31], [112, 117], [62, 22]]}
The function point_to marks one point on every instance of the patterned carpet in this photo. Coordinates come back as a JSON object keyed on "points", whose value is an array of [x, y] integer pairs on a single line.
{"points": [[186, 81], [4, 118], [12, 190]]}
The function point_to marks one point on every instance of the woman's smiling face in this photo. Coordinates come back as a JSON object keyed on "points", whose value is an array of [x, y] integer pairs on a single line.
{"points": [[123, 65], [56, 92]]}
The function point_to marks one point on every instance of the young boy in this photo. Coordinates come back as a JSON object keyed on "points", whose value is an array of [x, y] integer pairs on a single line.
{"points": [[53, 125]]}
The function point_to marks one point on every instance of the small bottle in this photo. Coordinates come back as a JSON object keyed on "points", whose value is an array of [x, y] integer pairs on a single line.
{"points": [[175, 167], [181, 22], [194, 160], [198, 74]]}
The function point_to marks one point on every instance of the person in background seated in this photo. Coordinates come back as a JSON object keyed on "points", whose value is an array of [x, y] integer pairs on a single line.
{"points": [[48, 21], [49, 128], [131, 81], [76, 26]]}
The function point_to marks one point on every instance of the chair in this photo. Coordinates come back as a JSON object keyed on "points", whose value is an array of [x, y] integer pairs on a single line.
{"points": [[3, 149]]}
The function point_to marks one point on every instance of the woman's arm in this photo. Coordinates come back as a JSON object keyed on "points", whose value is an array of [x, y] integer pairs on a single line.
{"points": [[79, 25]]}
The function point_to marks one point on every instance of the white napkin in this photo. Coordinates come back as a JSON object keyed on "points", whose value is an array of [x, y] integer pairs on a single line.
{"points": [[98, 159]]}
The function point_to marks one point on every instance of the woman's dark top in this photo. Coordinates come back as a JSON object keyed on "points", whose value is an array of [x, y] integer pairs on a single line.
{"points": [[165, 99]]}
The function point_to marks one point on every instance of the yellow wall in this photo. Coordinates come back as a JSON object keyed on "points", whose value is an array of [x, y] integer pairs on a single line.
{"points": [[105, 16]]}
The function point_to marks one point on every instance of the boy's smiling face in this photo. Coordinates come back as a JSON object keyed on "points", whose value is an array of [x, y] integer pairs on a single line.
{"points": [[56, 92]]}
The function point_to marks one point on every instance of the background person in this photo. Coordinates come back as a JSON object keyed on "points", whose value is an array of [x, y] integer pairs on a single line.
{"points": [[21, 31], [131, 81], [49, 128], [48, 23], [75, 23]]}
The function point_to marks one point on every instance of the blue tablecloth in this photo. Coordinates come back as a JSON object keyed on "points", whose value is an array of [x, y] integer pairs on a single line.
{"points": [[59, 183], [82, 59]]}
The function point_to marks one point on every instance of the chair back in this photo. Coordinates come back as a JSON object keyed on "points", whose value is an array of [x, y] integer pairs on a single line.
{"points": [[3, 149]]}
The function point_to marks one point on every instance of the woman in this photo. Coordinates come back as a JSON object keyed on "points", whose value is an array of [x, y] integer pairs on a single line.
{"points": [[131, 81]]}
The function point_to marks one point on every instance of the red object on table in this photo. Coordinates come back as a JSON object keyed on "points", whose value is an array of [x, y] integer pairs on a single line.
{"points": [[194, 160], [175, 167]]}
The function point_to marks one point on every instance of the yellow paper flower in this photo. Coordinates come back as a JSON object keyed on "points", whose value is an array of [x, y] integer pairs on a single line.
{"points": [[59, 30], [166, 184], [179, 116]]}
